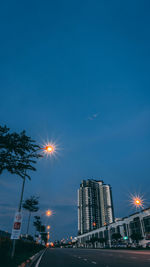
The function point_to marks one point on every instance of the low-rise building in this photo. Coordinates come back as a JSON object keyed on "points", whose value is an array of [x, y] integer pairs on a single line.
{"points": [[127, 227]]}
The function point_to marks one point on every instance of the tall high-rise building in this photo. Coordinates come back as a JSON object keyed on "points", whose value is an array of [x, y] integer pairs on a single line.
{"points": [[95, 205]]}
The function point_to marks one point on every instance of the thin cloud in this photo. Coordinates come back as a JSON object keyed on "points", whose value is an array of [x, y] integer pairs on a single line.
{"points": [[93, 117]]}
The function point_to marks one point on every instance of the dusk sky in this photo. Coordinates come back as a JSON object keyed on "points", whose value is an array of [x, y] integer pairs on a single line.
{"points": [[77, 73]]}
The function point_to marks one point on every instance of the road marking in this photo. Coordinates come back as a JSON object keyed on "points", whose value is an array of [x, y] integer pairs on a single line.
{"points": [[85, 259], [38, 262], [79, 257], [94, 262], [31, 258]]}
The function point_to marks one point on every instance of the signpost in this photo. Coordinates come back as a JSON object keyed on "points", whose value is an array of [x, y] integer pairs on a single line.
{"points": [[17, 222], [16, 226]]}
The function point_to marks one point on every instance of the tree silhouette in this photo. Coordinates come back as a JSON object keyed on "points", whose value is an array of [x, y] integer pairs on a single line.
{"points": [[31, 204], [37, 223], [40, 228], [18, 152]]}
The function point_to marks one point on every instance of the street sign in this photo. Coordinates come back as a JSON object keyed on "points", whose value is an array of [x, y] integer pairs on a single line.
{"points": [[16, 226]]}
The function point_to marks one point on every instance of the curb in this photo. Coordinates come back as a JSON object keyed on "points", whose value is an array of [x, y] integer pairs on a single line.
{"points": [[31, 260]]}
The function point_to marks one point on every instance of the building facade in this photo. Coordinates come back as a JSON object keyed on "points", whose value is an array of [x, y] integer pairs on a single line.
{"points": [[137, 223], [95, 205]]}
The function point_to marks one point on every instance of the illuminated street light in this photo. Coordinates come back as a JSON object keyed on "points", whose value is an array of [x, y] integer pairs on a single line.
{"points": [[48, 213], [50, 148], [48, 227], [137, 201]]}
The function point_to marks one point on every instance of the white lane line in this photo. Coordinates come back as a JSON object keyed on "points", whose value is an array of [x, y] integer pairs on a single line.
{"points": [[94, 262], [85, 259], [38, 262], [31, 258]]}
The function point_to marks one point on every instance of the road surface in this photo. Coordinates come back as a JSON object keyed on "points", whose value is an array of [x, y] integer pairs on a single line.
{"points": [[67, 257]]}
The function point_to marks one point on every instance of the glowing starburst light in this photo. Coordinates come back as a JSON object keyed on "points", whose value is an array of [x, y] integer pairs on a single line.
{"points": [[48, 213], [50, 148], [137, 201]]}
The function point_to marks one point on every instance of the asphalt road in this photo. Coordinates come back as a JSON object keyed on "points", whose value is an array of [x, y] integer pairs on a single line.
{"points": [[90, 257]]}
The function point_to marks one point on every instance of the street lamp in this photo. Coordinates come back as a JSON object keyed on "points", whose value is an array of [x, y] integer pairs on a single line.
{"points": [[48, 213], [137, 201], [94, 224], [50, 148]]}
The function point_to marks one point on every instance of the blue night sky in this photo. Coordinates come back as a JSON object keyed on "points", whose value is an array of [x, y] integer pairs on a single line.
{"points": [[78, 73]]}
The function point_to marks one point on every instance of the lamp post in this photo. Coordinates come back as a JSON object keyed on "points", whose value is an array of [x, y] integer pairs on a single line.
{"points": [[48, 149]]}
